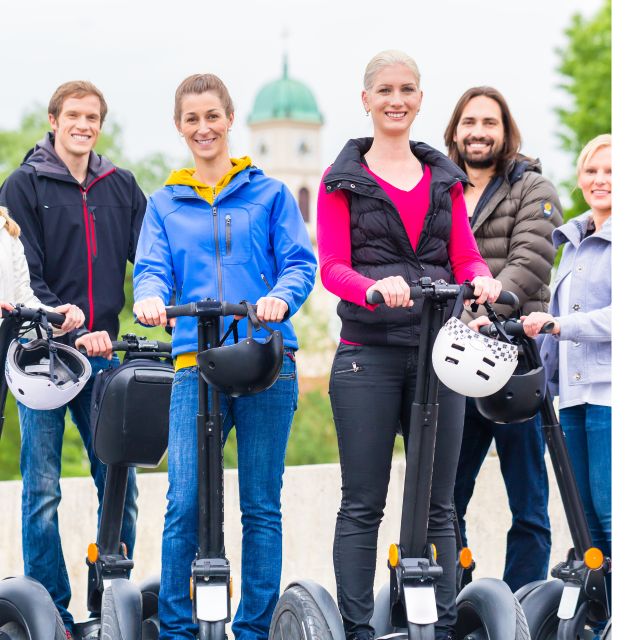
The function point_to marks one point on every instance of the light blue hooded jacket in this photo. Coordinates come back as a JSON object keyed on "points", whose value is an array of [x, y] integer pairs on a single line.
{"points": [[252, 242]]}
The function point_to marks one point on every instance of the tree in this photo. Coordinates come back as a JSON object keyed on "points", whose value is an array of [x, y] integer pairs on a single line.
{"points": [[585, 64]]}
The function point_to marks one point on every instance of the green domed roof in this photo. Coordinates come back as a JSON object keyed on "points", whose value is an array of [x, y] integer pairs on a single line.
{"points": [[285, 99]]}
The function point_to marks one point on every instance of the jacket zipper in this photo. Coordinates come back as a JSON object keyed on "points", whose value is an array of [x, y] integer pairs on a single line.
{"points": [[91, 241], [227, 232], [94, 240], [264, 279], [216, 234]]}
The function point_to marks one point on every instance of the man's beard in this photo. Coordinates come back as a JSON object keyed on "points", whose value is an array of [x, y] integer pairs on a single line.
{"points": [[484, 162]]}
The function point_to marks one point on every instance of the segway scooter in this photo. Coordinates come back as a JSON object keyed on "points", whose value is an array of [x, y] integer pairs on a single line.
{"points": [[406, 608], [211, 586], [562, 608], [125, 433]]}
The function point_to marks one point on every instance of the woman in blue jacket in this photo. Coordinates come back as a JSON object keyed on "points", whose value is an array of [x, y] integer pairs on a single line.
{"points": [[577, 356], [223, 230]]}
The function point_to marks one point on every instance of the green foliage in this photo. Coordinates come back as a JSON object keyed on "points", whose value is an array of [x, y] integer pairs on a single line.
{"points": [[585, 64]]}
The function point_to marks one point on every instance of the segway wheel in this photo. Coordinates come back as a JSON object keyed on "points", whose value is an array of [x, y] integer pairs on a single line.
{"points": [[421, 631], [27, 611], [211, 630], [298, 617], [121, 612], [540, 606], [488, 610]]}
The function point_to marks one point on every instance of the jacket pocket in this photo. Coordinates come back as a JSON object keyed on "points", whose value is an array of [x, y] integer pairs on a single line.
{"points": [[603, 352], [236, 236]]}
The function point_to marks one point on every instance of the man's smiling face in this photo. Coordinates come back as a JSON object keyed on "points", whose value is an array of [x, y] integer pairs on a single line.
{"points": [[77, 128], [480, 133]]}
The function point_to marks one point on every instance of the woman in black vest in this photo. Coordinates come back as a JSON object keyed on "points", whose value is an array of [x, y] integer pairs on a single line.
{"points": [[391, 211]]}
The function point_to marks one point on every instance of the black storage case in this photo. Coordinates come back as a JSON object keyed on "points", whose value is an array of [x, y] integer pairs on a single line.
{"points": [[130, 412]]}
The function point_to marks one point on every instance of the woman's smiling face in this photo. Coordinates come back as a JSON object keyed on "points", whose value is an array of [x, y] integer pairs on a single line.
{"points": [[595, 180], [393, 100]]}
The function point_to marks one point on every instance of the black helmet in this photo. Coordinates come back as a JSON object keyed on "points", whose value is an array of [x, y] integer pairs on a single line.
{"points": [[519, 400], [246, 367]]}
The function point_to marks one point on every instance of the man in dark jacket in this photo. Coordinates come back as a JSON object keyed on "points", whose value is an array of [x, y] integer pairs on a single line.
{"points": [[512, 211], [80, 217]]}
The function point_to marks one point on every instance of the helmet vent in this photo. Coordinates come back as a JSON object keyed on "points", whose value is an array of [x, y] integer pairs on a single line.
{"points": [[451, 360], [491, 363], [459, 347], [482, 374]]}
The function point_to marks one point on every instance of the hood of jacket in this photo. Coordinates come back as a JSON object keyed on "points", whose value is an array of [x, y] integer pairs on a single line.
{"points": [[44, 159], [575, 230]]}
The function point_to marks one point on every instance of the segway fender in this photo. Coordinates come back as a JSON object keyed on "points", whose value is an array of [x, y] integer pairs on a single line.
{"points": [[489, 603], [150, 590], [574, 627], [127, 609], [25, 601], [540, 605], [525, 590], [326, 605], [381, 618]]}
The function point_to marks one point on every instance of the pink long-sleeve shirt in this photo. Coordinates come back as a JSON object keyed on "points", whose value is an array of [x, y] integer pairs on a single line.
{"points": [[334, 236]]}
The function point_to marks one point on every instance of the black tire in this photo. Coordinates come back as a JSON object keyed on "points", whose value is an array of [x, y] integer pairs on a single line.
{"points": [[26, 607], [421, 631], [211, 630], [13, 631], [298, 617], [110, 629], [488, 609], [150, 590], [540, 606]]}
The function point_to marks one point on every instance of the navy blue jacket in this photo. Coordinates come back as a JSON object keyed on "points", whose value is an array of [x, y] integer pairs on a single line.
{"points": [[77, 238]]}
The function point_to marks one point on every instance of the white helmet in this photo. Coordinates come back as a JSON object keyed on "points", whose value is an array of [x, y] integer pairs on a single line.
{"points": [[471, 364], [43, 374]]}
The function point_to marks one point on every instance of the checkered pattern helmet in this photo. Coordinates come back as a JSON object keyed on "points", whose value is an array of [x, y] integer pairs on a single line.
{"points": [[472, 364]]}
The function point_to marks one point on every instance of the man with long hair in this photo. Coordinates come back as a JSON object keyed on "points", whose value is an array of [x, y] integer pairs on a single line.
{"points": [[512, 210]]}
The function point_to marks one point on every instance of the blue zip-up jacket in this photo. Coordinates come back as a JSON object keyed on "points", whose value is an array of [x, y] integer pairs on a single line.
{"points": [[251, 243]]}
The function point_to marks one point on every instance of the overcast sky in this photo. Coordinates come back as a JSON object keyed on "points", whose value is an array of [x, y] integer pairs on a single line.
{"points": [[137, 51]]}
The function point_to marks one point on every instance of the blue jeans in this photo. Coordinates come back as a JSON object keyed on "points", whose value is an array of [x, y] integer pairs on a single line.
{"points": [[587, 429], [520, 448], [40, 464], [262, 423]]}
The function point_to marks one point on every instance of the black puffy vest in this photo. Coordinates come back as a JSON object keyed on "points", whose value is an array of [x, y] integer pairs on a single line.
{"points": [[380, 246]]}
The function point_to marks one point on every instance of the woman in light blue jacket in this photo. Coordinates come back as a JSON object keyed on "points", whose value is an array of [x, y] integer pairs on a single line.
{"points": [[577, 355]]}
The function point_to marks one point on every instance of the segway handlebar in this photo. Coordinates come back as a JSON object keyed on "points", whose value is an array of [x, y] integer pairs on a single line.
{"points": [[26, 314], [511, 328], [131, 342], [210, 308], [444, 291]]}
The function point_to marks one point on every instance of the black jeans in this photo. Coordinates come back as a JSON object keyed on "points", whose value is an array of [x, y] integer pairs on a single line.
{"points": [[520, 448], [372, 389]]}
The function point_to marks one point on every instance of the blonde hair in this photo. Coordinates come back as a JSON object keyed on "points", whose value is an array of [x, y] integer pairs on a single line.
{"points": [[603, 140], [386, 59], [11, 226]]}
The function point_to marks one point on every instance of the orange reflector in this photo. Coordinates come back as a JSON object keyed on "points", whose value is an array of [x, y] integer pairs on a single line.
{"points": [[466, 557], [231, 586], [593, 558], [191, 587], [93, 553], [394, 555], [125, 551], [434, 552]]}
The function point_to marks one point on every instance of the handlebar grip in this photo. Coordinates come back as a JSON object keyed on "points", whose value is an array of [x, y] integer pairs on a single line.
{"points": [[26, 313], [231, 309], [375, 297], [512, 328], [178, 310]]}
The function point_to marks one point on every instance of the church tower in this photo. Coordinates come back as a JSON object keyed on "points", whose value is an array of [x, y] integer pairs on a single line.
{"points": [[285, 125]]}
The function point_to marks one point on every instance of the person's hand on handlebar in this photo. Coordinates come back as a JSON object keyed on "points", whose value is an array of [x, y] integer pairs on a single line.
{"points": [[97, 343], [152, 312], [394, 290], [7, 306], [533, 323], [271, 309], [73, 317], [485, 289], [478, 322]]}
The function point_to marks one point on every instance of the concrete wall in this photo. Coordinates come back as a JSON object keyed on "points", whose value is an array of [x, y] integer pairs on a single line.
{"points": [[310, 501]]}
